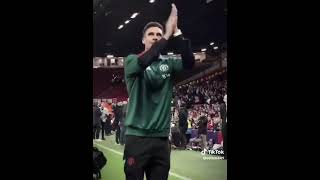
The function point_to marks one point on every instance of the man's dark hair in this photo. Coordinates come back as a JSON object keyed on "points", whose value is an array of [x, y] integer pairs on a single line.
{"points": [[149, 25]]}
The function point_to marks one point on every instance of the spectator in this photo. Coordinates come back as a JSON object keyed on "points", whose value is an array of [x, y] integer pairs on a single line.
{"points": [[189, 130], [118, 117], [202, 130], [96, 121], [121, 124], [183, 125]]}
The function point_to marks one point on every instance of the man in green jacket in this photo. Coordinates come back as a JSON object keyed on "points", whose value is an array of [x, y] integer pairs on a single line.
{"points": [[149, 80]]}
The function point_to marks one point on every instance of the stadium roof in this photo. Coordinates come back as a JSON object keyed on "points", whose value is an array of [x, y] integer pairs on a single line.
{"points": [[202, 21]]}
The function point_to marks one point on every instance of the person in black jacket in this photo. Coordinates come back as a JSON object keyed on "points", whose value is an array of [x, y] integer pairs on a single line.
{"points": [[121, 124], [202, 130], [118, 116], [183, 125], [96, 121]]}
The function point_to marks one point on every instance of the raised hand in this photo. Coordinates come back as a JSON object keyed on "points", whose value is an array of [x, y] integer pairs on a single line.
{"points": [[172, 21]]}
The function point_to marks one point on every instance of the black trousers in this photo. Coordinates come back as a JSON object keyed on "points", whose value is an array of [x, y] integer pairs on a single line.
{"points": [[103, 129], [118, 134], [108, 127], [149, 155], [96, 131], [175, 138], [183, 138], [188, 136]]}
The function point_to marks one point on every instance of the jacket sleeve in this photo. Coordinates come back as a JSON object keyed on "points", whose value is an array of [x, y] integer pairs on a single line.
{"points": [[184, 48], [134, 64]]}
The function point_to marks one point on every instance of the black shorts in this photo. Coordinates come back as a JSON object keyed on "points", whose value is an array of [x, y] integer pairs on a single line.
{"points": [[150, 155]]}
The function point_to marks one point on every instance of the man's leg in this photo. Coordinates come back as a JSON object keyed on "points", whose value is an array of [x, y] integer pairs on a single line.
{"points": [[158, 168], [94, 132], [103, 130], [176, 139], [122, 129], [204, 139], [97, 132], [108, 127], [188, 136], [117, 134], [136, 155], [183, 137]]}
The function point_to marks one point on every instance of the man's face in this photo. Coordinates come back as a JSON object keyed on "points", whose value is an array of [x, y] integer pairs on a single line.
{"points": [[152, 35]]}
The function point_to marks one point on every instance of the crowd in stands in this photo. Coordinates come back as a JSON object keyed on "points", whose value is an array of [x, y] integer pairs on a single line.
{"points": [[209, 89], [202, 99]]}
